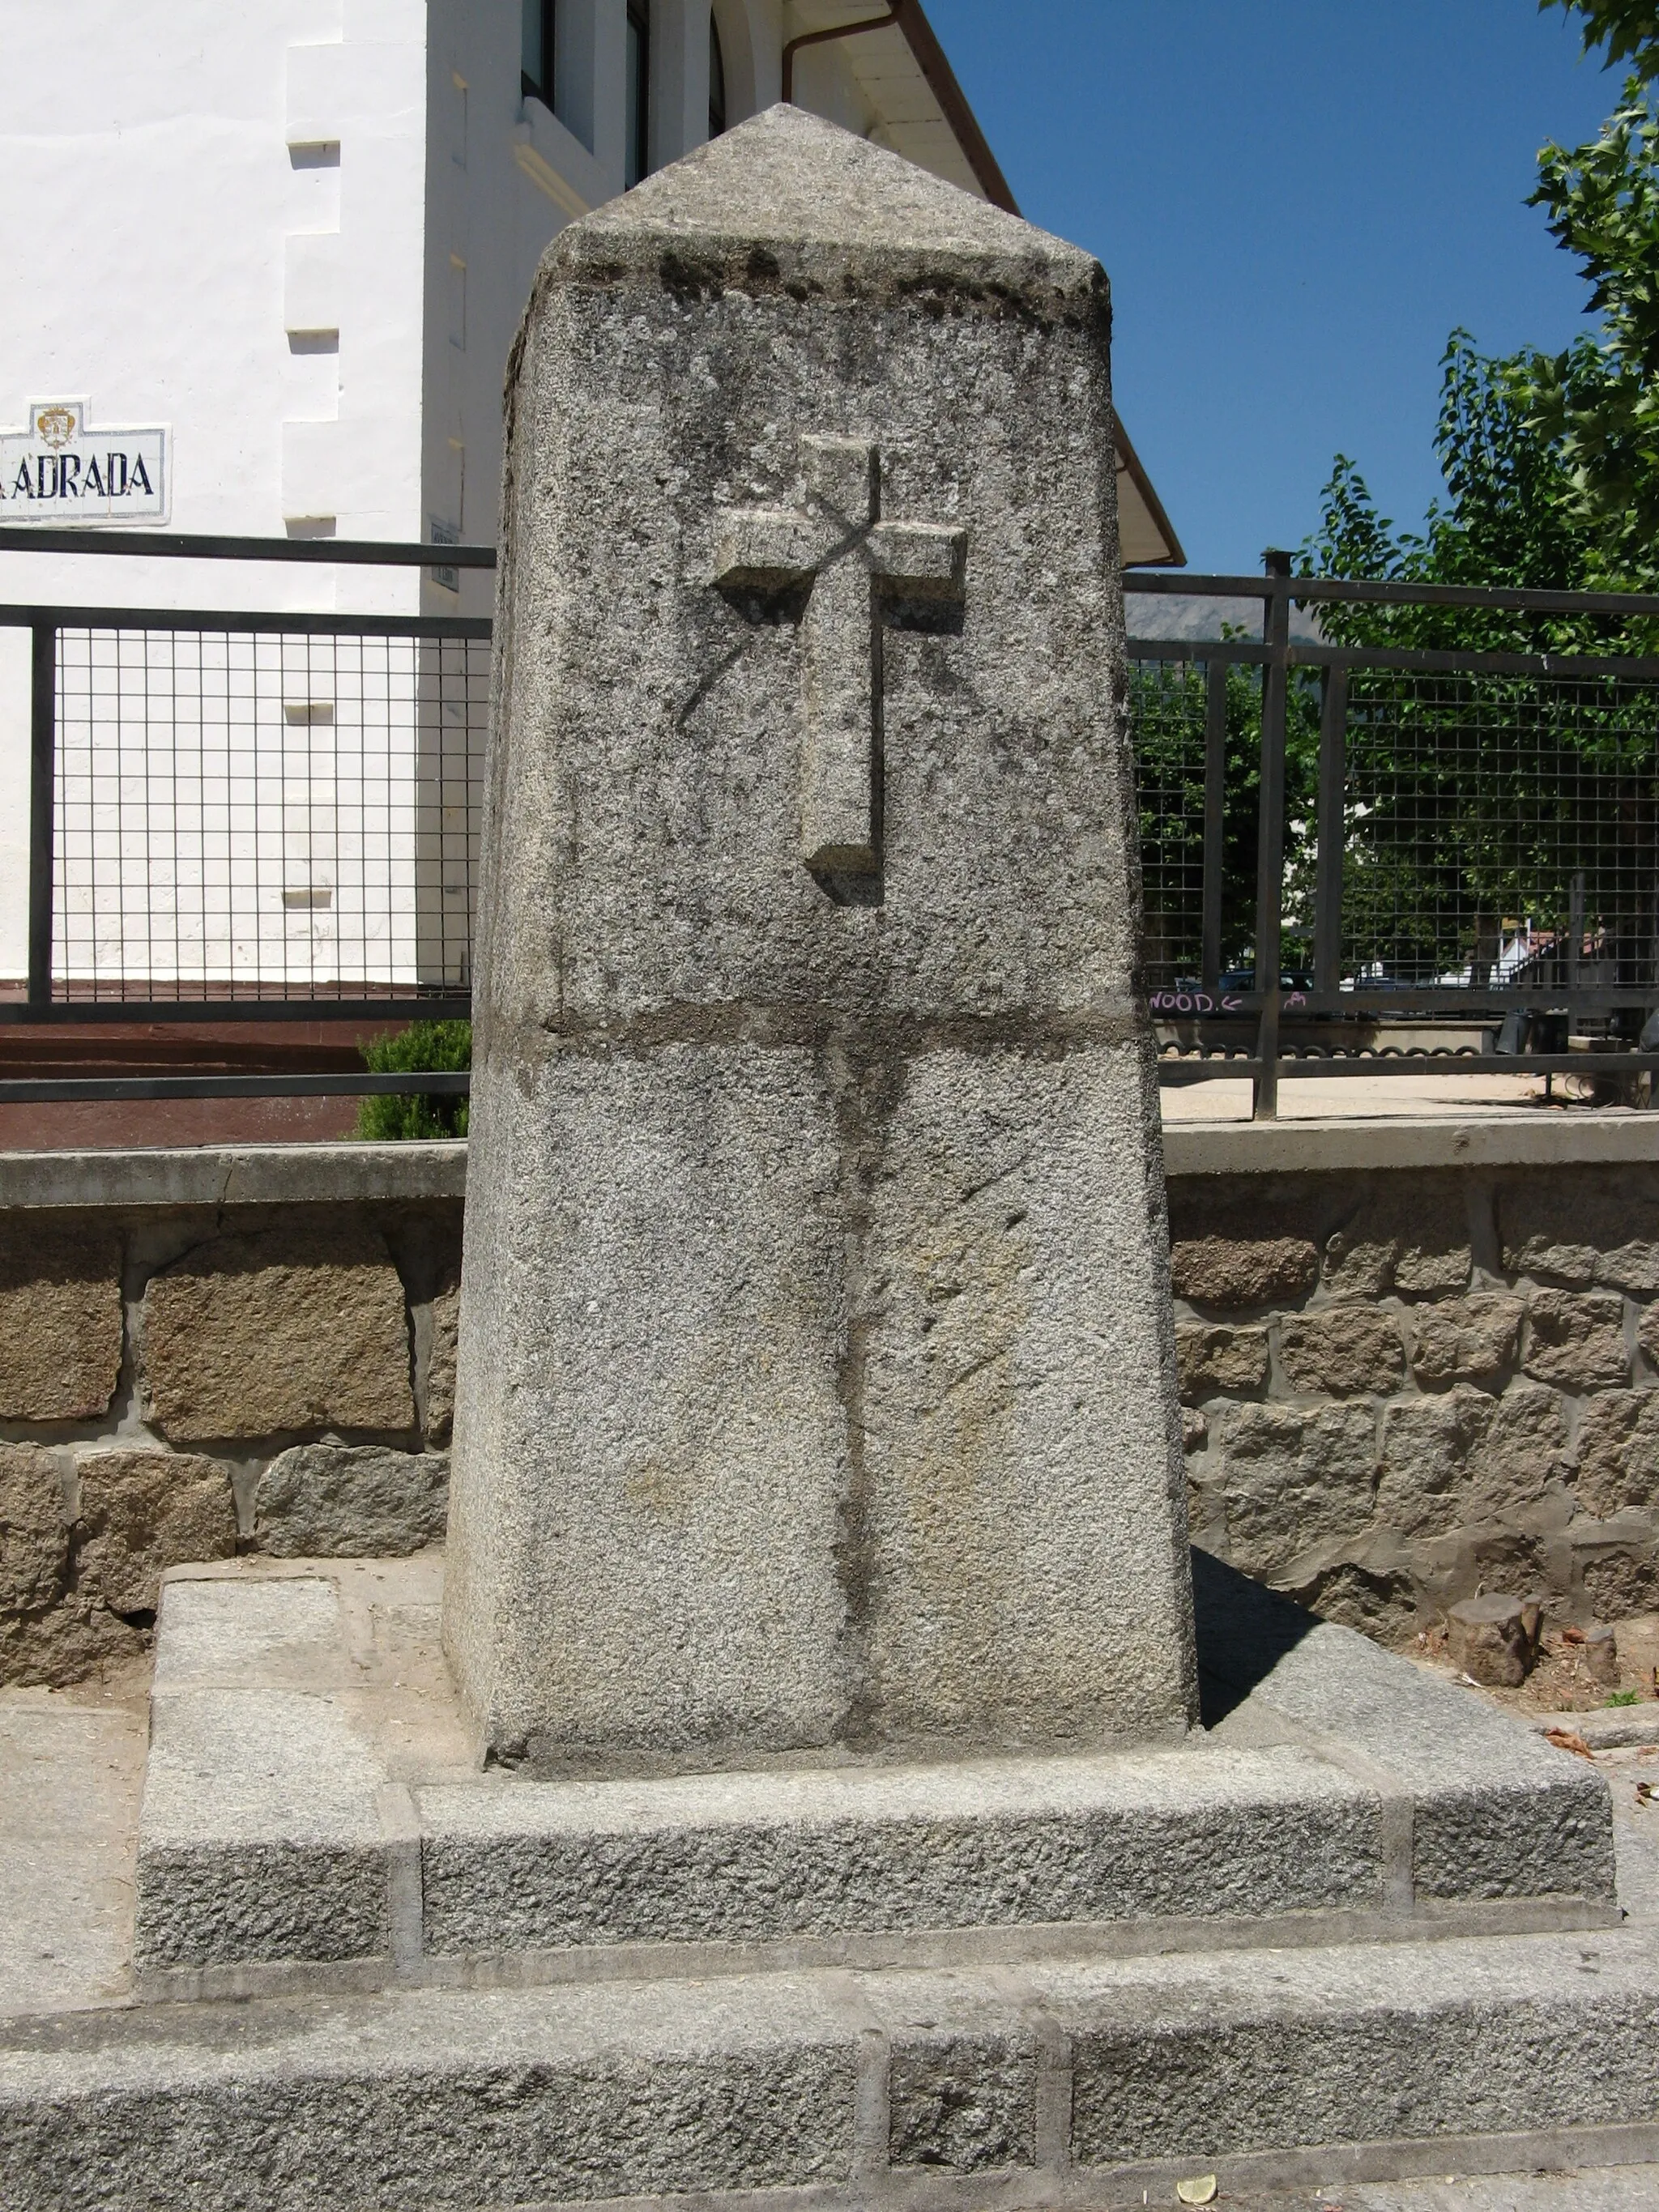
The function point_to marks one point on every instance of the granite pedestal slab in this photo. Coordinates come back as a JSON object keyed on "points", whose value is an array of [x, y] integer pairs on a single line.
{"points": [[1360, 1925], [310, 1820]]}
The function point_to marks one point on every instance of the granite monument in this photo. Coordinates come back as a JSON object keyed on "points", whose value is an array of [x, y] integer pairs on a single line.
{"points": [[816, 1388]]}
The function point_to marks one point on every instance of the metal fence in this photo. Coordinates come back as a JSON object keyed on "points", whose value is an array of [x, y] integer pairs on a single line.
{"points": [[240, 814], [263, 814], [1355, 859], [276, 810], [1359, 860]]}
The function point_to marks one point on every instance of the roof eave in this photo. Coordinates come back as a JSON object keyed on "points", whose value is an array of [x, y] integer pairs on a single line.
{"points": [[921, 37], [941, 79], [1174, 555]]}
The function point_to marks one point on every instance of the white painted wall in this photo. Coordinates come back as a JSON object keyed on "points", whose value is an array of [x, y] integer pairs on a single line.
{"points": [[528, 171], [180, 210], [226, 234], [300, 233]]}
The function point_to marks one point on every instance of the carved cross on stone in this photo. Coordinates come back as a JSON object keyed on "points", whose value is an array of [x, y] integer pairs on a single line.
{"points": [[848, 559]]}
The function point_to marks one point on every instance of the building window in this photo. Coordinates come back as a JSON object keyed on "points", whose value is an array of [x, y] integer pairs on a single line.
{"points": [[536, 80], [716, 81], [636, 158]]}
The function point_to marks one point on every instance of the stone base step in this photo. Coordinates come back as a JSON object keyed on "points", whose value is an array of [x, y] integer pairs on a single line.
{"points": [[309, 1821], [1078, 2084]]}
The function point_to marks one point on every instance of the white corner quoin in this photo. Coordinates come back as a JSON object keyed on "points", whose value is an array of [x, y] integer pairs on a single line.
{"points": [[285, 248]]}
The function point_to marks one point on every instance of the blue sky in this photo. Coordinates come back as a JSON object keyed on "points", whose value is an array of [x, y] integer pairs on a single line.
{"points": [[1296, 200]]}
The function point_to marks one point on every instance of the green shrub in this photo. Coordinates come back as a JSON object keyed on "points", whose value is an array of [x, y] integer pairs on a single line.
{"points": [[393, 1116], [1624, 1697]]}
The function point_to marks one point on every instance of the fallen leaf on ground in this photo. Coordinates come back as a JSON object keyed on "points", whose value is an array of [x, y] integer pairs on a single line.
{"points": [[1644, 1792], [1572, 1636], [1570, 1739], [1199, 2191]]}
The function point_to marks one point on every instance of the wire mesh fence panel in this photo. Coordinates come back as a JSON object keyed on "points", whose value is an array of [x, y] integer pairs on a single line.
{"points": [[1170, 704], [265, 816], [1167, 706], [1500, 830]]}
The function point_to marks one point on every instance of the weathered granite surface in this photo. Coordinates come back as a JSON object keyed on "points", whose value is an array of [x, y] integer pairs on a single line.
{"points": [[401, 2101], [140, 1324], [310, 1851], [60, 1321], [1199, 1832], [440, 1360], [83, 1544], [327, 1501], [1604, 1233], [260, 1833], [310, 1811], [1518, 1450], [142, 1512], [279, 1329], [816, 1379], [1556, 1493], [34, 1529]]}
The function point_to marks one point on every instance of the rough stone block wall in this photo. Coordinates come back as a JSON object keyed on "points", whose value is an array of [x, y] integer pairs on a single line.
{"points": [[1404, 1386], [1400, 1386], [184, 1384]]}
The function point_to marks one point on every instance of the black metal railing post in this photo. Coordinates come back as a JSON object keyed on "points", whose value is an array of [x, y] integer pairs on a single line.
{"points": [[43, 767], [1328, 880], [1575, 948], [1215, 822], [1270, 836]]}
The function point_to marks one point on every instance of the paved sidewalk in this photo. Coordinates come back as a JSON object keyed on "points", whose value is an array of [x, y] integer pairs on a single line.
{"points": [[1600, 2188], [1366, 1098], [71, 1772]]}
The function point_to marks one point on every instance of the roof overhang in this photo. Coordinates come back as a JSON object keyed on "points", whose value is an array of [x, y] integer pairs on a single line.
{"points": [[922, 112], [1146, 536]]}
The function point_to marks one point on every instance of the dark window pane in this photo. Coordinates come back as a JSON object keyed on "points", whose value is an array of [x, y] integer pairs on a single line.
{"points": [[536, 19], [716, 81], [636, 150]]}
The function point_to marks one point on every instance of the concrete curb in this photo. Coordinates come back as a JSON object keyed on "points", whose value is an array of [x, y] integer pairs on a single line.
{"points": [[289, 1175], [240, 1174], [1347, 1147]]}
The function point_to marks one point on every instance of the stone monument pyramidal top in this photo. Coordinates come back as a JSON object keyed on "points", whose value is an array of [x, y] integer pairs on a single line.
{"points": [[816, 1392]]}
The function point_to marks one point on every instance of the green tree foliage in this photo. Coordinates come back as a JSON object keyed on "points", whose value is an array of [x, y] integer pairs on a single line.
{"points": [[1596, 405], [394, 1116], [1512, 518], [1473, 801], [1479, 800], [1629, 29]]}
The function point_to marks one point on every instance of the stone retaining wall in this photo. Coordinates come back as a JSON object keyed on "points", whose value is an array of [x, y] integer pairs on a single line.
{"points": [[1402, 1387], [182, 1381], [1416, 1360]]}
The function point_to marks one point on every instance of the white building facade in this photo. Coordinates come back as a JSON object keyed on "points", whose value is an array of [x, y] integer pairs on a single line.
{"points": [[264, 267]]}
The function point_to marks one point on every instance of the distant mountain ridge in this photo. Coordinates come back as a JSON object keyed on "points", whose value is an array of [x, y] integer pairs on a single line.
{"points": [[1197, 616]]}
